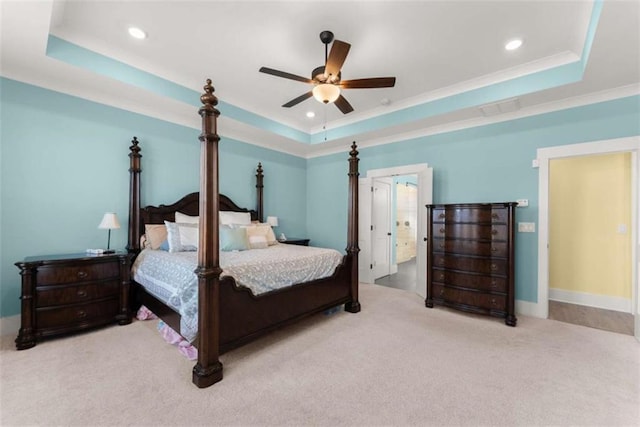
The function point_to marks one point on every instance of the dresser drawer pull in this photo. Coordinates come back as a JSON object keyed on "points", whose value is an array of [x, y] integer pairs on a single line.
{"points": [[82, 293], [441, 215], [494, 267], [494, 285], [441, 276], [494, 249], [440, 261], [82, 314], [82, 274], [494, 232], [442, 230], [495, 216], [441, 292], [441, 245], [493, 301]]}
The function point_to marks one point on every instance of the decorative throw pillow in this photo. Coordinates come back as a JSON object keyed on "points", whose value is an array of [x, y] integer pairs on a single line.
{"points": [[262, 230], [235, 218], [258, 242], [155, 234], [175, 234], [186, 219], [233, 239]]}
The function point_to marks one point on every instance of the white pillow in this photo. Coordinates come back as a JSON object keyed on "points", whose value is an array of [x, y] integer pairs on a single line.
{"points": [[235, 218], [186, 219], [177, 232]]}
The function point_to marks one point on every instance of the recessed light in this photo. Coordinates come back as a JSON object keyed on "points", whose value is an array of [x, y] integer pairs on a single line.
{"points": [[513, 44], [137, 33], [311, 114]]}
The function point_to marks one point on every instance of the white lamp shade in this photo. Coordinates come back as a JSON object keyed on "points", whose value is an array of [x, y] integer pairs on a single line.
{"points": [[109, 221], [326, 93], [272, 221]]}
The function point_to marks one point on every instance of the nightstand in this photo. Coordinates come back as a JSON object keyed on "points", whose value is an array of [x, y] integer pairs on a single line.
{"points": [[70, 293], [295, 241]]}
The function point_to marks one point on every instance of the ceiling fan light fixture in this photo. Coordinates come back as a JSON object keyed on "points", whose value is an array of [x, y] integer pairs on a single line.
{"points": [[326, 93]]}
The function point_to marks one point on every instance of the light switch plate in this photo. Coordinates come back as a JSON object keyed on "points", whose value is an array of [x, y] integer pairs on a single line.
{"points": [[527, 227], [523, 203]]}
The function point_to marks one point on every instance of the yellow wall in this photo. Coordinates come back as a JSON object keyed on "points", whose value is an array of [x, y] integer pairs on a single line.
{"points": [[407, 222], [589, 197]]}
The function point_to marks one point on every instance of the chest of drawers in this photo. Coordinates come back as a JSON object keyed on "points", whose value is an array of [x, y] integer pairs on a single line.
{"points": [[470, 258], [67, 293]]}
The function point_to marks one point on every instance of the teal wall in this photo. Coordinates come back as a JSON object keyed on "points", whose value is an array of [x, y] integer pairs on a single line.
{"points": [[484, 164], [64, 163]]}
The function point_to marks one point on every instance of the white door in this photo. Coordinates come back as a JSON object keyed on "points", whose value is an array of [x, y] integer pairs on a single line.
{"points": [[425, 197], [381, 221], [365, 263]]}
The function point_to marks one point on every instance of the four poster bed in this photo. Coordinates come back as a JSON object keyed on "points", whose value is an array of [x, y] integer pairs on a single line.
{"points": [[229, 314]]}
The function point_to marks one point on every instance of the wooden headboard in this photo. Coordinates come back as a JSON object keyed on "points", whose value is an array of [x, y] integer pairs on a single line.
{"points": [[188, 205]]}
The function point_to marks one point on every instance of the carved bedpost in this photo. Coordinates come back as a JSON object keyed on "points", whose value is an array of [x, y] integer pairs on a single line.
{"points": [[353, 306], [259, 187], [133, 245], [208, 369]]}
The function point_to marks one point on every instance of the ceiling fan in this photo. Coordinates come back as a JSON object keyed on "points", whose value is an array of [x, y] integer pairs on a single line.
{"points": [[327, 78]]}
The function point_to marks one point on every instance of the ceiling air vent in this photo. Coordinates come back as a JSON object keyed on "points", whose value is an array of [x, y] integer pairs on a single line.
{"points": [[495, 108]]}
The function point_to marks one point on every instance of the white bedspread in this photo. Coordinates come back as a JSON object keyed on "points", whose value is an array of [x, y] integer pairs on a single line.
{"points": [[170, 276]]}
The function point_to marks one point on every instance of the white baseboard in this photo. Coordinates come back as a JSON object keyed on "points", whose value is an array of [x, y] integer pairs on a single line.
{"points": [[591, 300], [393, 269], [9, 325], [531, 309]]}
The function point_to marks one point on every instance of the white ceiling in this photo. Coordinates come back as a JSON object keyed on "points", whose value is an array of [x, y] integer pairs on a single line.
{"points": [[434, 49]]}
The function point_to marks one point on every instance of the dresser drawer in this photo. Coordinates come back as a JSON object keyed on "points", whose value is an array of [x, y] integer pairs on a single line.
{"points": [[470, 231], [471, 247], [471, 281], [471, 264], [470, 298], [79, 313], [53, 274], [484, 215], [62, 295]]}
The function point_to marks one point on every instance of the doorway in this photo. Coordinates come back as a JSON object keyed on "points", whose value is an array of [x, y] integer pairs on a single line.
{"points": [[545, 156], [403, 226], [366, 241]]}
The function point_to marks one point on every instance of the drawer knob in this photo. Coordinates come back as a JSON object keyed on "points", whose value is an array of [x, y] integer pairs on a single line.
{"points": [[440, 261], [494, 267], [82, 293], [494, 249], [494, 216], [442, 230], [82, 314], [441, 292], [494, 284], [441, 215], [441, 276], [82, 274], [493, 301], [494, 232], [441, 245]]}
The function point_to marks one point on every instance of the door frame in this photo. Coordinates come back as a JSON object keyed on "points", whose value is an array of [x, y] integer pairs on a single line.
{"points": [[421, 248], [391, 266], [610, 146]]}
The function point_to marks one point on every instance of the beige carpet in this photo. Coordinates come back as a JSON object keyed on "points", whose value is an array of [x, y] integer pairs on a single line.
{"points": [[395, 363]]}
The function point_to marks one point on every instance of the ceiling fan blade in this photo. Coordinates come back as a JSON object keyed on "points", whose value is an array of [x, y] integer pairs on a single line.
{"points": [[285, 75], [343, 105], [298, 100], [337, 55], [372, 83]]}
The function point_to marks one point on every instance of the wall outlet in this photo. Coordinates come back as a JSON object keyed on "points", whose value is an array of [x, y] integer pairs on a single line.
{"points": [[527, 227], [523, 203]]}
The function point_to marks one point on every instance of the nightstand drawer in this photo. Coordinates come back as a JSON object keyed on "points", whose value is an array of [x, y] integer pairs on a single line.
{"points": [[53, 275], [60, 295], [74, 314]]}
